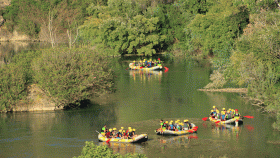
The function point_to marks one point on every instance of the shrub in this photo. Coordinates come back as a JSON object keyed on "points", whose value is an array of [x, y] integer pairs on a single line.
{"points": [[92, 150], [72, 76]]}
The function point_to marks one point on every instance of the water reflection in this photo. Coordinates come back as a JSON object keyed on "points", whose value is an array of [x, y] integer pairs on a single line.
{"points": [[145, 75], [177, 141], [226, 131], [124, 148]]}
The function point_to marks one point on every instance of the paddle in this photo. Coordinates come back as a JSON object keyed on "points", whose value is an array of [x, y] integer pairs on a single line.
{"points": [[107, 141], [217, 122], [248, 116], [204, 118], [166, 69]]}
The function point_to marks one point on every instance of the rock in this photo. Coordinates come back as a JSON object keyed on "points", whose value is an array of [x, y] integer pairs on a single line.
{"points": [[4, 3], [1, 20], [37, 100]]}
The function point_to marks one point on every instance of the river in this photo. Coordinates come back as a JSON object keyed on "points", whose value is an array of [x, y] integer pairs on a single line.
{"points": [[140, 101]]}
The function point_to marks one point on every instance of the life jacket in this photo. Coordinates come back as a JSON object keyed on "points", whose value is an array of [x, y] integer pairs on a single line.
{"points": [[103, 129], [236, 115], [171, 126], [108, 134], [119, 134]]}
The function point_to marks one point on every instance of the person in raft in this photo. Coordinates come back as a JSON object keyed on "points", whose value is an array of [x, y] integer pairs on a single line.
{"points": [[171, 126], [119, 134], [236, 114], [104, 130], [109, 133], [161, 126], [187, 125]]}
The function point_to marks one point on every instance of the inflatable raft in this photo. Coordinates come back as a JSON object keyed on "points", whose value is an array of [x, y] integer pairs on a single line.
{"points": [[133, 67], [137, 139], [231, 121], [178, 133]]}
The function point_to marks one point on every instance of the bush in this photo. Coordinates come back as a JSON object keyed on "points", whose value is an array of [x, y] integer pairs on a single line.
{"points": [[14, 79], [70, 76], [92, 150]]}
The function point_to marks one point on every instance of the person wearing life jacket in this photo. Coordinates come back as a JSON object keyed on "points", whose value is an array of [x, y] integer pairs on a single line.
{"points": [[119, 134], [155, 63], [217, 114], [187, 124], [223, 115], [150, 63], [127, 131], [134, 133], [161, 125], [124, 134], [159, 63], [165, 124], [129, 134], [146, 62], [171, 126], [114, 133], [212, 114], [109, 133], [104, 130], [228, 115], [236, 114]]}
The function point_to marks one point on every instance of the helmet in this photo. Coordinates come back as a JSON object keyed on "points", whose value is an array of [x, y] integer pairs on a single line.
{"points": [[120, 130], [171, 121], [214, 106], [123, 131], [166, 121], [212, 110], [114, 129], [224, 108], [133, 129], [130, 130], [129, 127], [110, 129], [121, 127]]}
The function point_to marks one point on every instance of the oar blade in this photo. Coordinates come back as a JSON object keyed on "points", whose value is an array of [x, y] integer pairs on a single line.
{"points": [[249, 116], [205, 118]]}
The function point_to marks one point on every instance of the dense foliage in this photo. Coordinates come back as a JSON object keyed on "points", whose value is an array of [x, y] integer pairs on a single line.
{"points": [[29, 16], [92, 150], [67, 76], [241, 37], [14, 79], [72, 76]]}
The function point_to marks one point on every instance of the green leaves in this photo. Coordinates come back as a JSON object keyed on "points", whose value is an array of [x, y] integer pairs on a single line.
{"points": [[92, 150], [72, 76], [136, 35]]}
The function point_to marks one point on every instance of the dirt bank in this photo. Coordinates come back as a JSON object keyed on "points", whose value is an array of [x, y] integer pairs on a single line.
{"points": [[230, 90], [37, 100]]}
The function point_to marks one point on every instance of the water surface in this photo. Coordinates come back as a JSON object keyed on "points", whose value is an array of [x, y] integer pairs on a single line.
{"points": [[140, 100]]}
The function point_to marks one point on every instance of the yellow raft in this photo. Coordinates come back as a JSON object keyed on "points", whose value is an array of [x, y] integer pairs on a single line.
{"points": [[178, 133], [136, 139], [231, 121], [133, 67]]}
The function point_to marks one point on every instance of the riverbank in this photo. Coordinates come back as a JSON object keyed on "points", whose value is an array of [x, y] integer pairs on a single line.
{"points": [[36, 100], [229, 90]]}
